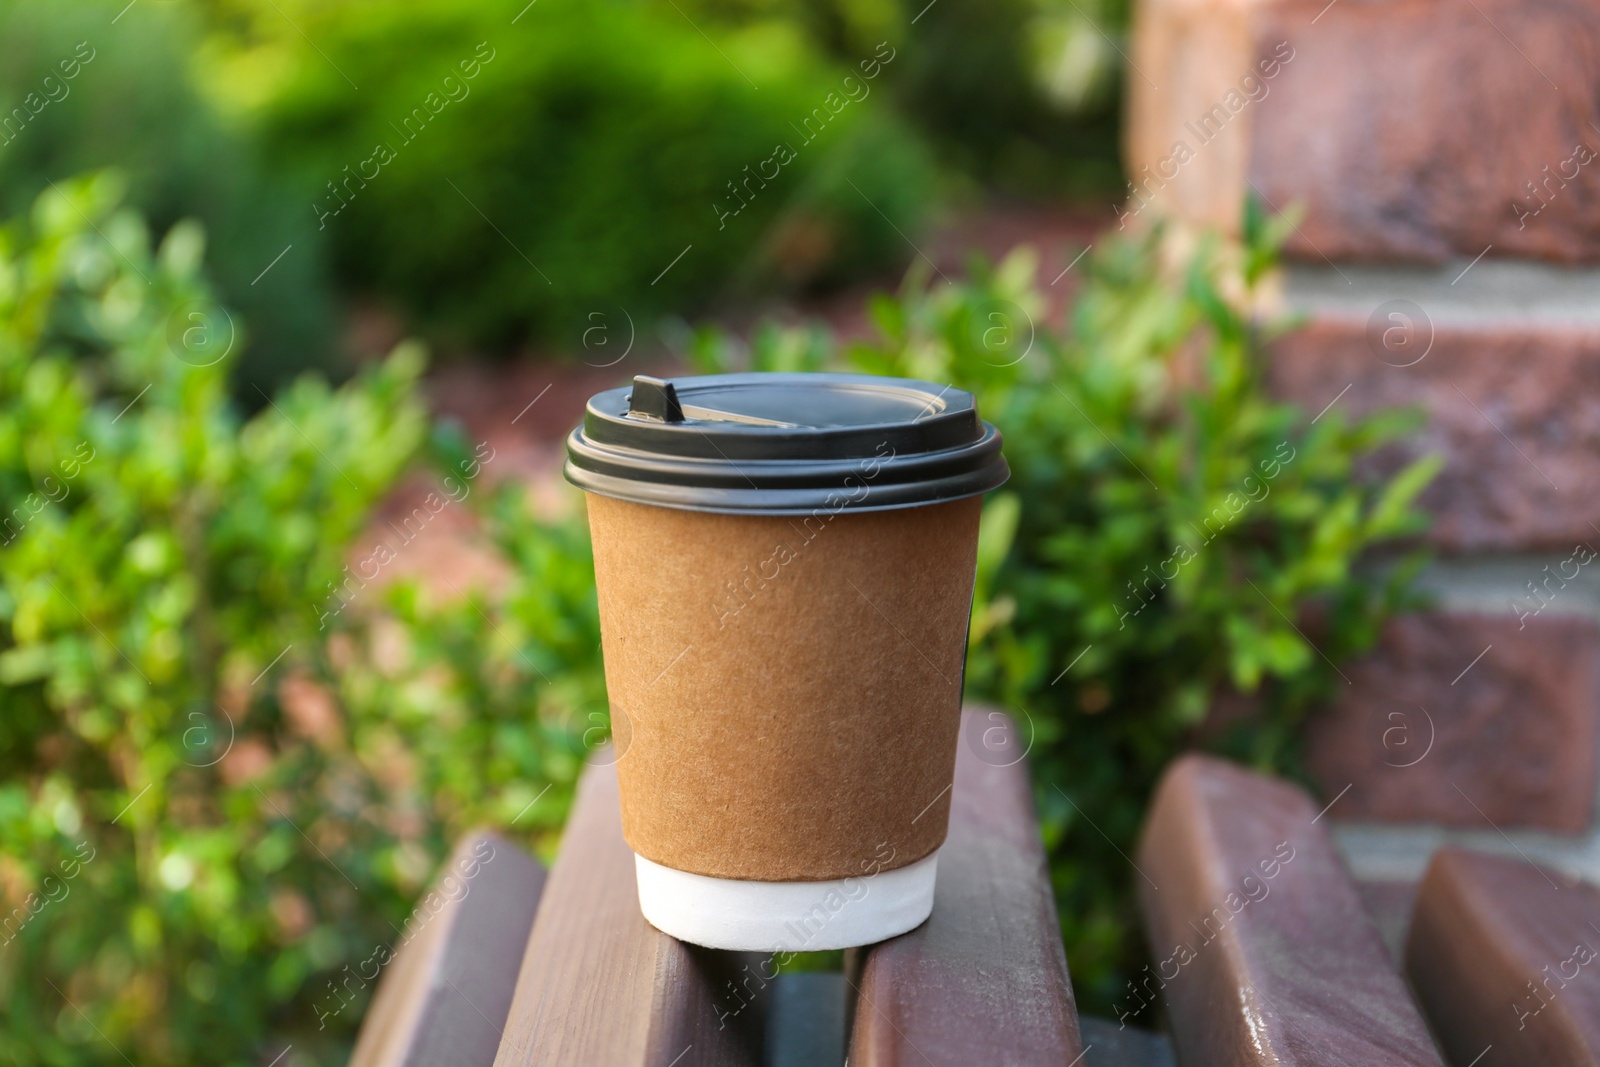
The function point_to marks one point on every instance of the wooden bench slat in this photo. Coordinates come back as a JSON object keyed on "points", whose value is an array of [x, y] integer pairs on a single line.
{"points": [[1264, 952], [1505, 958], [984, 980], [600, 987], [442, 999]]}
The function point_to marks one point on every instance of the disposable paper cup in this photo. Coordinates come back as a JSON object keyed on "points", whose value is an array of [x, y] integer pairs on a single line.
{"points": [[785, 566]]}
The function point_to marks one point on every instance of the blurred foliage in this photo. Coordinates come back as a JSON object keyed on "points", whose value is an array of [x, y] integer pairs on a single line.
{"points": [[496, 176], [598, 145], [573, 170], [81, 88], [218, 786], [1022, 95], [1172, 541]]}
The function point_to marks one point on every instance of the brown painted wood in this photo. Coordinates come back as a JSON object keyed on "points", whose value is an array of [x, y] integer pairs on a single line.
{"points": [[984, 980], [1264, 954], [600, 987], [442, 999], [1505, 958]]}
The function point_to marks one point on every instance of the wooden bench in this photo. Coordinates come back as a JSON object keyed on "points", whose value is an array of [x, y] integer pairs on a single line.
{"points": [[1264, 954], [443, 997], [1505, 958]]}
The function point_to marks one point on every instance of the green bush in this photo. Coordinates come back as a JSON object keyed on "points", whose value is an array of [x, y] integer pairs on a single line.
{"points": [[1170, 536], [495, 177], [226, 766], [129, 103]]}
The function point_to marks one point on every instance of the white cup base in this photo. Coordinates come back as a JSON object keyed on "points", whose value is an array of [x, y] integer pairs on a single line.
{"points": [[727, 913]]}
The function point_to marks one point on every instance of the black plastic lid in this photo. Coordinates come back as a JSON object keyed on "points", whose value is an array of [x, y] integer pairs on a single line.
{"points": [[784, 444]]}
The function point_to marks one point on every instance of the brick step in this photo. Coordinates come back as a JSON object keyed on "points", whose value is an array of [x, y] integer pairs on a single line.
{"points": [[1412, 130], [1467, 719], [1504, 359]]}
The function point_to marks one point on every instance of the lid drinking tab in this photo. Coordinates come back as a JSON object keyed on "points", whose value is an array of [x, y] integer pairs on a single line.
{"points": [[654, 399]]}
